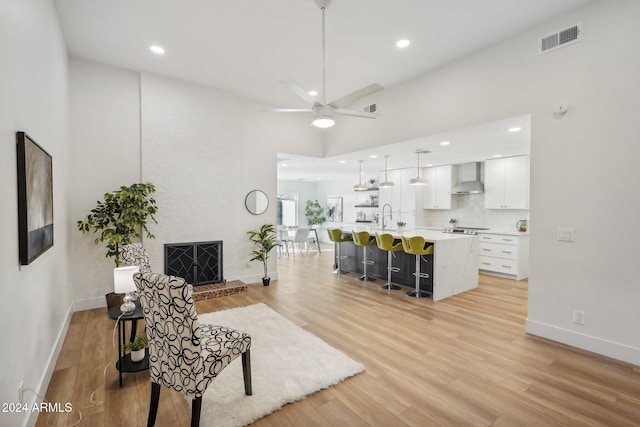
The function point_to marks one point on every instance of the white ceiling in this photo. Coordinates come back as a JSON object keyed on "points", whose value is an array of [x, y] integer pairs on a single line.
{"points": [[476, 143], [248, 46]]}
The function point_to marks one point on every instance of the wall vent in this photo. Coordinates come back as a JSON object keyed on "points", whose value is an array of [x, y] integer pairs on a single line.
{"points": [[370, 108], [560, 39]]}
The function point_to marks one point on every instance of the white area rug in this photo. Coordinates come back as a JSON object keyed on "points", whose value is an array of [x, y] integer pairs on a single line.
{"points": [[287, 364]]}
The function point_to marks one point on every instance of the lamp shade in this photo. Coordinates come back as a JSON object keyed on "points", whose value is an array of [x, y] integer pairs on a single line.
{"points": [[123, 279]]}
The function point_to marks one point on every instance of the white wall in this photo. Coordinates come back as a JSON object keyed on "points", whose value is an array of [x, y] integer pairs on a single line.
{"points": [[204, 153], [36, 299], [105, 153], [581, 163]]}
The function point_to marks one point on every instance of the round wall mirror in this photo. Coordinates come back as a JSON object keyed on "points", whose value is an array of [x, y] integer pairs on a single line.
{"points": [[256, 202]]}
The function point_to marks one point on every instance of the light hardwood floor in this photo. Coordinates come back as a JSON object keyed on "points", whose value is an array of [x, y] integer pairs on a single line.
{"points": [[462, 361]]}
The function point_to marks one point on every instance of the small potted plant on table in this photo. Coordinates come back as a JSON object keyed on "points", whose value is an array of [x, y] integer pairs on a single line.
{"points": [[401, 225], [137, 348]]}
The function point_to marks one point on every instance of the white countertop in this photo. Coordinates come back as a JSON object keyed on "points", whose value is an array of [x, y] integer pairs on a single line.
{"points": [[429, 235]]}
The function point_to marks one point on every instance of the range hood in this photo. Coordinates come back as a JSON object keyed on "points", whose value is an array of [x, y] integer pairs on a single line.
{"points": [[469, 179]]}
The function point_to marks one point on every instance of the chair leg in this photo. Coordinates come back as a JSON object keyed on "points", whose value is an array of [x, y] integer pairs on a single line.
{"points": [[153, 406], [417, 293], [389, 285], [246, 372], [364, 277], [196, 407]]}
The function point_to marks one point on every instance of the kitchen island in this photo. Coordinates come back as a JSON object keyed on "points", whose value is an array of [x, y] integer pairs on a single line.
{"points": [[452, 269]]}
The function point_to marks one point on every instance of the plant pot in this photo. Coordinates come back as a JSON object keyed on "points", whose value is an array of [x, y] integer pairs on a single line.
{"points": [[400, 229], [266, 281], [137, 355]]}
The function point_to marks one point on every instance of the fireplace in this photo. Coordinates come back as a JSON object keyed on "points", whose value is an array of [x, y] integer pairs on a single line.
{"points": [[199, 263]]}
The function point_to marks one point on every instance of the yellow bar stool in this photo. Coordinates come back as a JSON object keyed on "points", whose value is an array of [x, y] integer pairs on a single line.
{"points": [[335, 235], [385, 242], [417, 246], [364, 239]]}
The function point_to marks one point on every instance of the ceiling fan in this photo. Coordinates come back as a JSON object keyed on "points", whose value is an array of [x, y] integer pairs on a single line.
{"points": [[323, 111]]}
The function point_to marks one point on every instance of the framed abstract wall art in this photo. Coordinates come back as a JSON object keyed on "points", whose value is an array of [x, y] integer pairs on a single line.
{"points": [[35, 199], [334, 209]]}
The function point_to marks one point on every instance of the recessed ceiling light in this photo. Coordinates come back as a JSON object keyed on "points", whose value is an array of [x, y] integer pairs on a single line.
{"points": [[343, 161], [313, 92], [445, 143], [497, 155], [373, 156], [284, 165], [429, 165], [403, 43], [515, 129], [157, 49]]}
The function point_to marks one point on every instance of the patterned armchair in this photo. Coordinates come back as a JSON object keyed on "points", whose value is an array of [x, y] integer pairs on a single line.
{"points": [[135, 254], [184, 355]]}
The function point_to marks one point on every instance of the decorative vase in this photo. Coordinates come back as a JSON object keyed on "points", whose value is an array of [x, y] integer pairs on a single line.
{"points": [[137, 355], [400, 229], [266, 281]]}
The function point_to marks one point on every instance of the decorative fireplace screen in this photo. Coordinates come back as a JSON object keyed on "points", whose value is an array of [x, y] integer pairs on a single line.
{"points": [[199, 263]]}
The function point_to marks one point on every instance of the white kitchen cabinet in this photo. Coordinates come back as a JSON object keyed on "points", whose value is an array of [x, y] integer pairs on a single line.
{"points": [[506, 183], [401, 197], [437, 194], [504, 255]]}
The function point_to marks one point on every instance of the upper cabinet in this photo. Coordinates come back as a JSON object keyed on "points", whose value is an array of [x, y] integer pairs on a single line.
{"points": [[506, 183], [437, 194], [401, 197]]}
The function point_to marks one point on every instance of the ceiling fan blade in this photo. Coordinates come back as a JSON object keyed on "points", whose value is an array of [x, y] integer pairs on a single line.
{"points": [[354, 113], [298, 90], [354, 96], [288, 110]]}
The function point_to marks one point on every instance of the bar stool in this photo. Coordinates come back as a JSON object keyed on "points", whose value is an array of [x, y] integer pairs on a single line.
{"points": [[385, 242], [335, 235], [364, 239], [417, 246]]}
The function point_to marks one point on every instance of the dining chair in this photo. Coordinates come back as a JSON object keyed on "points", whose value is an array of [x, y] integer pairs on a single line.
{"points": [[183, 354]]}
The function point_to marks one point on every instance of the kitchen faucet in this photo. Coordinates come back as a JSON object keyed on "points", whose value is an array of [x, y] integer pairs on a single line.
{"points": [[390, 215]]}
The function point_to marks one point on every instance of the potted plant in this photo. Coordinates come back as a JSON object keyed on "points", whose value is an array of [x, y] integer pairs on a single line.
{"points": [[137, 348], [264, 240], [453, 222], [401, 225], [372, 182], [314, 213], [121, 217]]}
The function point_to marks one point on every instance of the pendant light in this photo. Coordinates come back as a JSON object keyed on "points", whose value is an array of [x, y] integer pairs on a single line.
{"points": [[360, 186], [417, 180], [386, 183]]}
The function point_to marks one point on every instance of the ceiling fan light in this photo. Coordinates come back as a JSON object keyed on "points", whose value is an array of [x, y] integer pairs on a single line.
{"points": [[323, 122]]}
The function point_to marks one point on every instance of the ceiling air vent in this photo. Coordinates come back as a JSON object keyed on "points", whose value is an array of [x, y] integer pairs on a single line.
{"points": [[370, 108], [560, 39]]}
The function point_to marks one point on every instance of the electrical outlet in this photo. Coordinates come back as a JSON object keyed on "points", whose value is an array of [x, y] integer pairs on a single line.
{"points": [[20, 391], [578, 317]]}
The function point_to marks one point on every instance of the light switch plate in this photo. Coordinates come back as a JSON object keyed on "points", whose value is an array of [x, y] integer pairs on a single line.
{"points": [[565, 234]]}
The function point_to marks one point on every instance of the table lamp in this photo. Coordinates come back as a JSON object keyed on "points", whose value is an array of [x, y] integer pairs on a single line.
{"points": [[123, 283]]}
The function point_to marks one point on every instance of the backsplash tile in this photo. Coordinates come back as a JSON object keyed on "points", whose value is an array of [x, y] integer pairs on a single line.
{"points": [[470, 212]]}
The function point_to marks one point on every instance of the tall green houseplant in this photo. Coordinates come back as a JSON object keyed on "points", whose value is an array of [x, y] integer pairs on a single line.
{"points": [[121, 217], [314, 213], [264, 240]]}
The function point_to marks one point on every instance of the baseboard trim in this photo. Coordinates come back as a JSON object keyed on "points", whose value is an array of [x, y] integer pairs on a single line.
{"points": [[43, 384], [89, 304], [600, 346]]}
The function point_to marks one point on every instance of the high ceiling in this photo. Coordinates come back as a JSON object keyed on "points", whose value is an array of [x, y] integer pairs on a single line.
{"points": [[248, 46]]}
